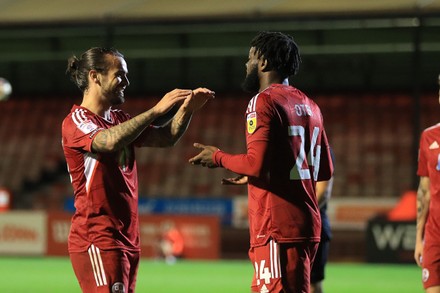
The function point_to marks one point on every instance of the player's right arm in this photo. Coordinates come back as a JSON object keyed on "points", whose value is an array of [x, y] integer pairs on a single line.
{"points": [[423, 199], [116, 137], [321, 192]]}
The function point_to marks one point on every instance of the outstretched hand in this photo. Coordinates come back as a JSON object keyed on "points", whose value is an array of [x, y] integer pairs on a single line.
{"points": [[198, 98], [170, 99], [239, 180], [204, 158]]}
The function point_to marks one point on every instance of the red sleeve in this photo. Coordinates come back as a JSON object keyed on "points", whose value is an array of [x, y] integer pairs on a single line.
{"points": [[258, 117], [249, 164], [79, 132], [422, 169]]}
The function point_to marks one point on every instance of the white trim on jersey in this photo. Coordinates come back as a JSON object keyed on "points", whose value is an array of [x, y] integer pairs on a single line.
{"points": [[274, 260], [98, 268], [252, 104], [90, 162], [82, 122], [78, 116]]}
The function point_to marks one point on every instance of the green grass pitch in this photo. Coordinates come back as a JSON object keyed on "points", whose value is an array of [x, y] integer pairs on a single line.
{"points": [[27, 274]]}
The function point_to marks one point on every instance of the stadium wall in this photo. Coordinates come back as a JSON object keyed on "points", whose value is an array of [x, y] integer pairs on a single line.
{"points": [[41, 233]]}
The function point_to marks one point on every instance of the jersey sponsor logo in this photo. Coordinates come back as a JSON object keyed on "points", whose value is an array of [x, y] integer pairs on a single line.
{"points": [[434, 145], [251, 122]]}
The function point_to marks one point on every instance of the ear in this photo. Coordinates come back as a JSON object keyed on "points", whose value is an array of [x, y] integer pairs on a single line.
{"points": [[264, 65], [94, 77]]}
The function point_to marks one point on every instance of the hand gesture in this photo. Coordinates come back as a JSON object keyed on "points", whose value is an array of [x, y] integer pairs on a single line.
{"points": [[204, 158], [239, 180], [198, 98], [170, 99]]}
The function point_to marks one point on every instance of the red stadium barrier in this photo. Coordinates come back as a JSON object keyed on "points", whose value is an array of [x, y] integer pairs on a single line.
{"points": [[41, 233], [201, 234]]}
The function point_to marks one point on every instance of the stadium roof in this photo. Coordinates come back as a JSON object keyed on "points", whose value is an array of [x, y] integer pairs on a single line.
{"points": [[43, 11]]}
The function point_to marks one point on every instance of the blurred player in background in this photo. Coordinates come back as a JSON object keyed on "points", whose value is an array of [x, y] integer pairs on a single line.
{"points": [[287, 152], [98, 143], [427, 249], [323, 194], [171, 243]]}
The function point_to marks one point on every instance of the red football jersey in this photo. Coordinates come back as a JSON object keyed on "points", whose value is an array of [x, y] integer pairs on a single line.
{"points": [[104, 185], [429, 166], [287, 152]]}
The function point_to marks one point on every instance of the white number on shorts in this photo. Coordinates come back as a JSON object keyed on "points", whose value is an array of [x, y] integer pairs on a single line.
{"points": [[262, 272], [297, 172]]}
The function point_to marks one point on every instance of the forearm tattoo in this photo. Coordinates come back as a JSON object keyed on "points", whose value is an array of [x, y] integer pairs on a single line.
{"points": [[420, 203], [422, 207], [122, 134], [170, 134], [180, 124]]}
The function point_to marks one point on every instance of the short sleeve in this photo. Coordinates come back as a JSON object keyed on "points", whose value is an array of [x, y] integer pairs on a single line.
{"points": [[79, 130], [258, 118]]}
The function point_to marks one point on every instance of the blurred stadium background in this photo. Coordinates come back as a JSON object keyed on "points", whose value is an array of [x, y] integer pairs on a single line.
{"points": [[372, 66]]}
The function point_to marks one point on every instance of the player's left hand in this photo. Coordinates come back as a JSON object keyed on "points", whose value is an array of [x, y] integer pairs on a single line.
{"points": [[198, 98], [204, 158], [418, 252]]}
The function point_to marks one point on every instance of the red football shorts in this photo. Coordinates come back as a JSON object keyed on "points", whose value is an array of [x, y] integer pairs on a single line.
{"points": [[431, 265], [105, 271], [282, 267]]}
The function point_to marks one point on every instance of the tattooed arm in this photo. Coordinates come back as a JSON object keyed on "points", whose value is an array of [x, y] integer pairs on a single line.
{"points": [[169, 134], [118, 136], [423, 199]]}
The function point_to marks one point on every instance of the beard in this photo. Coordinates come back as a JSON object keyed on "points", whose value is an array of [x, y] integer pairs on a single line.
{"points": [[115, 95], [251, 83]]}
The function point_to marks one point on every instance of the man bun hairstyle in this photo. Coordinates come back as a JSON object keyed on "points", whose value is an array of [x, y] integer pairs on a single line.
{"points": [[280, 51], [92, 59]]}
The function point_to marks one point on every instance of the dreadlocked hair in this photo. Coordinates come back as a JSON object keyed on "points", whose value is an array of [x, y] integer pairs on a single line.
{"points": [[280, 51]]}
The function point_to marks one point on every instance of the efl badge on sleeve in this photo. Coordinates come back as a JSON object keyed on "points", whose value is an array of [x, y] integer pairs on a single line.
{"points": [[251, 122], [87, 126]]}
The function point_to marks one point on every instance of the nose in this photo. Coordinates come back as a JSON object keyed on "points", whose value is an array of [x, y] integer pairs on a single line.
{"points": [[126, 81]]}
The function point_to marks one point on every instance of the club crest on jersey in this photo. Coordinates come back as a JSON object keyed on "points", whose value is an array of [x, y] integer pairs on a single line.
{"points": [[251, 120], [425, 275], [118, 287]]}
